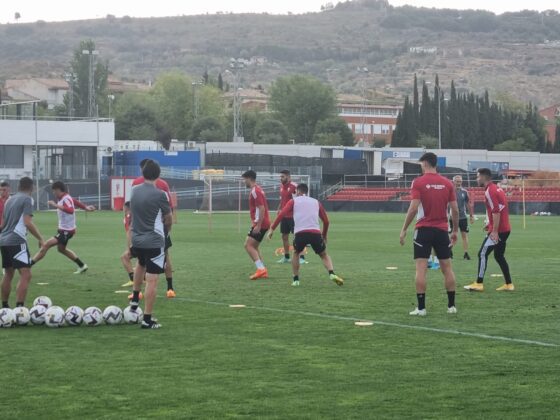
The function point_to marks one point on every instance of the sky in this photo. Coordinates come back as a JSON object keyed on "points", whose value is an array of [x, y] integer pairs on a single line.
{"points": [[61, 10]]}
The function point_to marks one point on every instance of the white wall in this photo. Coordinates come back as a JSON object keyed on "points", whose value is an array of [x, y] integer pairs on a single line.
{"points": [[57, 133]]}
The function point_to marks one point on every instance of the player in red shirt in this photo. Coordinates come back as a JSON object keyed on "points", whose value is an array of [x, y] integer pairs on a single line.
{"points": [[431, 195], [287, 192], [4, 195], [164, 186], [498, 229], [260, 222]]}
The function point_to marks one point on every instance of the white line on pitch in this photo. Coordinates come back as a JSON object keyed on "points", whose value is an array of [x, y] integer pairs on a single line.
{"points": [[384, 323]]}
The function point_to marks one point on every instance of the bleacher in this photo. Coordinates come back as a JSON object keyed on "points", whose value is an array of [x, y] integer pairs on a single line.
{"points": [[514, 194]]}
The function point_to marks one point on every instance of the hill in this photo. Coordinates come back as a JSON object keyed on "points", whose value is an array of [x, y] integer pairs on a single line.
{"points": [[515, 53]]}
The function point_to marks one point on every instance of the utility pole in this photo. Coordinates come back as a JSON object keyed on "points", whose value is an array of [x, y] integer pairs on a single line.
{"points": [[365, 71], [91, 81], [196, 106]]}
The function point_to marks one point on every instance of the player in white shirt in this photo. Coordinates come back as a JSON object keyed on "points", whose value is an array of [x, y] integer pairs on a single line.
{"points": [[306, 212], [66, 206]]}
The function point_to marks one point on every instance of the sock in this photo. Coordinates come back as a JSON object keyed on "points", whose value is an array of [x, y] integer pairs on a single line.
{"points": [[169, 283], [296, 278], [32, 263], [431, 259], [450, 299], [302, 257], [436, 261], [79, 262], [479, 280], [147, 318], [131, 276], [421, 300], [136, 296], [331, 272], [259, 264], [5, 304], [287, 256], [19, 304]]}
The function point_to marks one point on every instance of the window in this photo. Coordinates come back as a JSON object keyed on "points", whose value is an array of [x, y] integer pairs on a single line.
{"points": [[11, 156]]}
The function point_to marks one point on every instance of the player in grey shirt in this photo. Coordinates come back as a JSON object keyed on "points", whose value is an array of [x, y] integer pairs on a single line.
{"points": [[465, 206], [151, 218], [17, 220]]}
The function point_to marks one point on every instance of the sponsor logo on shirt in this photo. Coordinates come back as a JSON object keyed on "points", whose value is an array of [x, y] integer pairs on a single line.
{"points": [[435, 186]]}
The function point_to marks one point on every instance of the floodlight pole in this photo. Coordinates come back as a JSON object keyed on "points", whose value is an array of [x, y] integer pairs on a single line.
{"points": [[99, 160]]}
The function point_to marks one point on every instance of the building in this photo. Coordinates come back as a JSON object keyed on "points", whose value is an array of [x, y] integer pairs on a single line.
{"points": [[47, 149], [51, 91], [551, 116], [369, 122], [251, 99]]}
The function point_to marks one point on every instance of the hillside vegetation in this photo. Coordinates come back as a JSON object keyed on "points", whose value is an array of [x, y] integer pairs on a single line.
{"points": [[516, 53]]}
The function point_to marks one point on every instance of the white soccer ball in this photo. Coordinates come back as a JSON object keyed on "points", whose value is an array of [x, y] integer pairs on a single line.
{"points": [[21, 316], [132, 316], [7, 318], [54, 317], [43, 300], [37, 314], [74, 316], [113, 315], [92, 316]]}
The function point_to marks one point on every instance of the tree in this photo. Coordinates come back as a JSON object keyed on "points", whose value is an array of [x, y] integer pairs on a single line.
{"points": [[270, 131], [556, 146], [174, 104], [300, 102], [17, 16], [80, 69], [326, 130], [135, 117], [220, 82], [208, 129]]}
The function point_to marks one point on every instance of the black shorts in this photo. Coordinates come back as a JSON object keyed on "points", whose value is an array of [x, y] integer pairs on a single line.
{"points": [[302, 239], [15, 256], [132, 253], [168, 243], [151, 258], [463, 225], [426, 238], [257, 236], [63, 237], [287, 226]]}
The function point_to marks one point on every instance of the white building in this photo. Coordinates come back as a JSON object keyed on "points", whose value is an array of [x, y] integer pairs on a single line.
{"points": [[66, 149]]}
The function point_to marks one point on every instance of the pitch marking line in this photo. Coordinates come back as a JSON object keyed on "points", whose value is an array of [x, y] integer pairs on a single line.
{"points": [[385, 323]]}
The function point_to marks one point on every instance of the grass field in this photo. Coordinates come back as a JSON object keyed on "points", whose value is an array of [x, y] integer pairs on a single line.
{"points": [[293, 352]]}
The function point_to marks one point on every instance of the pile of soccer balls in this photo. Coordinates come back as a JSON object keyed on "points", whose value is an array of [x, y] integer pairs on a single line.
{"points": [[44, 312]]}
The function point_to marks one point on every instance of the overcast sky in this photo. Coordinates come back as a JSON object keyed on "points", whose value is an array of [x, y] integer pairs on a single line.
{"points": [[57, 10]]}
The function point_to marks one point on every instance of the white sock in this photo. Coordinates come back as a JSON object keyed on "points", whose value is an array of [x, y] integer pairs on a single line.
{"points": [[430, 259], [259, 264], [436, 261]]}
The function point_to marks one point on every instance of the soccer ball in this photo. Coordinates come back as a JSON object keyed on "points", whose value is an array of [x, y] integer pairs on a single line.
{"points": [[92, 316], [43, 300], [132, 316], [37, 314], [21, 315], [74, 316], [54, 317], [113, 315], [7, 318]]}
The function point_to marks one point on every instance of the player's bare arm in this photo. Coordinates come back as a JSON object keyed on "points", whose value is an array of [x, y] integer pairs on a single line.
{"points": [[496, 223], [28, 221], [455, 220], [410, 215], [257, 228], [168, 221]]}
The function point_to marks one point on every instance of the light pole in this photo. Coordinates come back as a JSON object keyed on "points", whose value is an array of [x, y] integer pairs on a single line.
{"points": [[237, 65], [91, 81], [365, 71]]}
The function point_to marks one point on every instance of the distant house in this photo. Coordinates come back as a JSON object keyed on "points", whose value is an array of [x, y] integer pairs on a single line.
{"points": [[251, 99], [49, 90], [551, 116], [423, 50]]}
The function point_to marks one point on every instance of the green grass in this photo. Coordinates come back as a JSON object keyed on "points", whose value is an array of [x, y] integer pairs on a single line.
{"points": [[210, 361]]}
